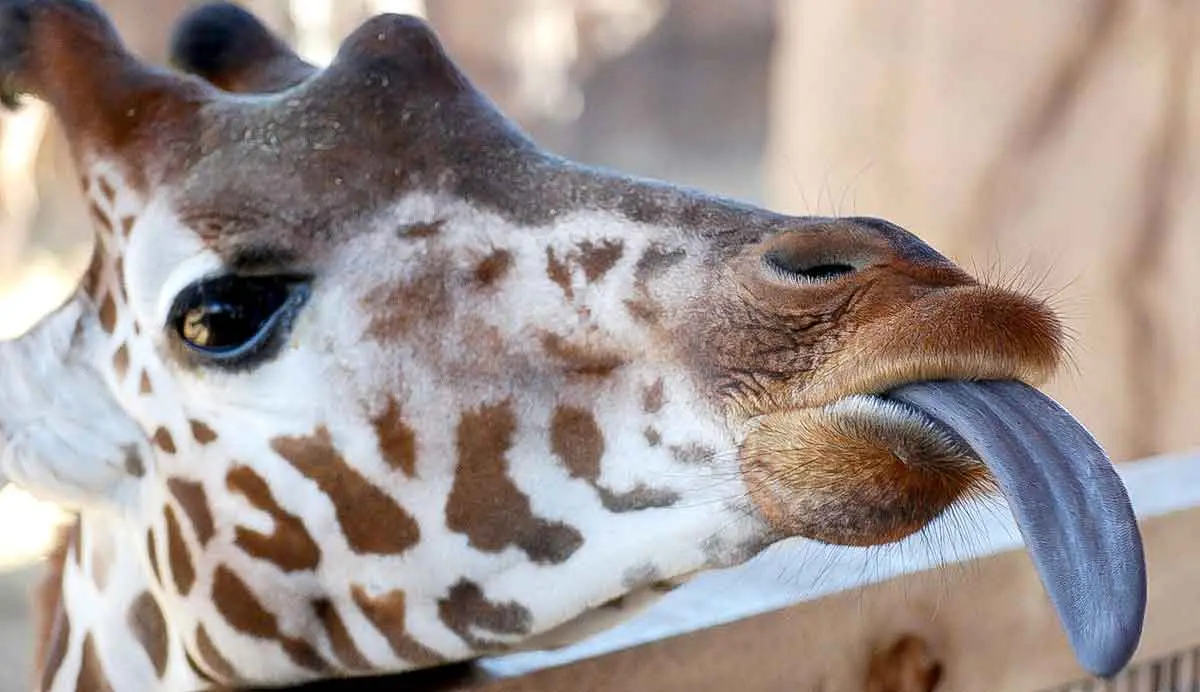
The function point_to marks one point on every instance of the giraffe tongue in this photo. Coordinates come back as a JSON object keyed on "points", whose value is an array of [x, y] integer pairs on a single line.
{"points": [[1068, 501]]}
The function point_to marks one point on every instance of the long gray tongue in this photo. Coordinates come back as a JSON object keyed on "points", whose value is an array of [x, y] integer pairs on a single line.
{"points": [[1068, 501]]}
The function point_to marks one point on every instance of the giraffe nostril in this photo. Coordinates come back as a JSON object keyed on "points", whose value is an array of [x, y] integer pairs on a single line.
{"points": [[795, 266]]}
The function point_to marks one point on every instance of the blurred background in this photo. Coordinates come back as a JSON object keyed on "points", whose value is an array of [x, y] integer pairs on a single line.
{"points": [[1046, 145]]}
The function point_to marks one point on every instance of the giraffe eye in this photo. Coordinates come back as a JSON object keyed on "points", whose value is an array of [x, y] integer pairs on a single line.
{"points": [[236, 320]]}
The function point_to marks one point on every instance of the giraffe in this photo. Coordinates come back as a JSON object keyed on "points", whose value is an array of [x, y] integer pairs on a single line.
{"points": [[361, 381]]}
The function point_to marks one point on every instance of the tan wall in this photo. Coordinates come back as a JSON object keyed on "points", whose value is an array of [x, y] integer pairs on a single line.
{"points": [[1051, 143]]}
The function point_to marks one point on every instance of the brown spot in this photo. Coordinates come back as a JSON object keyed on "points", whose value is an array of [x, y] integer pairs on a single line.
{"points": [[644, 310], [397, 443], [201, 432], [152, 554], [421, 230], [693, 454], [653, 437], [91, 671], [145, 387], [100, 217], [145, 619], [194, 501], [108, 313], [106, 189], [217, 664], [466, 611], [91, 277], [303, 654], [597, 259], [340, 639], [121, 362], [164, 441], [394, 307], [579, 360], [389, 615], [558, 273], [371, 520], [639, 498], [486, 506], [289, 545], [653, 398], [127, 225], [493, 267], [654, 261], [576, 439], [177, 554], [134, 465], [239, 607]]}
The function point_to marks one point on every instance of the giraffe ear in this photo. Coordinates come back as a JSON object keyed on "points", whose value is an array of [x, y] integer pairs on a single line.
{"points": [[63, 437], [232, 49]]}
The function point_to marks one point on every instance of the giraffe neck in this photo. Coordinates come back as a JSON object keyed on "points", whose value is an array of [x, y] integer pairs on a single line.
{"points": [[105, 629]]}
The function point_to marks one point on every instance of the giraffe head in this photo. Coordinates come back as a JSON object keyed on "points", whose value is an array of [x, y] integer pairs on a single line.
{"points": [[373, 382]]}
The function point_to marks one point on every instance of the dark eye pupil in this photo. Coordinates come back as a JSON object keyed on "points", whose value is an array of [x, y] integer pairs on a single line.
{"points": [[230, 313]]}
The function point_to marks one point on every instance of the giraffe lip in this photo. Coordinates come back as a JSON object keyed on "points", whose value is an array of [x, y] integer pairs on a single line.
{"points": [[1068, 501]]}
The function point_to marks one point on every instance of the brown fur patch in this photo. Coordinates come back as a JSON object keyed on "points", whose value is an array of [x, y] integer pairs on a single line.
{"points": [[421, 230], [466, 611], [596, 259], [144, 387], [127, 225], [653, 437], [121, 362], [134, 465], [577, 440], [149, 627], [397, 442], [201, 432], [208, 652], [340, 639], [243, 611], [91, 670], [289, 546], [194, 501], [653, 397], [389, 615], [494, 267], [371, 520], [108, 313], [579, 360], [558, 272], [178, 556], [52, 627], [164, 441], [152, 556], [484, 503]]}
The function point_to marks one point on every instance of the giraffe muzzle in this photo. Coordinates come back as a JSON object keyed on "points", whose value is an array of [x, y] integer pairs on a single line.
{"points": [[1069, 502]]}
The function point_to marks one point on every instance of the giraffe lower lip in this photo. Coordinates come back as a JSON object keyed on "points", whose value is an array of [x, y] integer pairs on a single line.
{"points": [[1068, 501]]}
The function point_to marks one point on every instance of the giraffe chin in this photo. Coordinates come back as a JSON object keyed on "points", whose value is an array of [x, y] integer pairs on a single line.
{"points": [[920, 447]]}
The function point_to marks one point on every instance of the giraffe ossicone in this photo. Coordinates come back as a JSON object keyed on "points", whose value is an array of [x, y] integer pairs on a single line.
{"points": [[362, 381]]}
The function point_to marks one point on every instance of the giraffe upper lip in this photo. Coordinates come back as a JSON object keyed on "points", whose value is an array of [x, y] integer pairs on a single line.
{"points": [[1068, 501]]}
